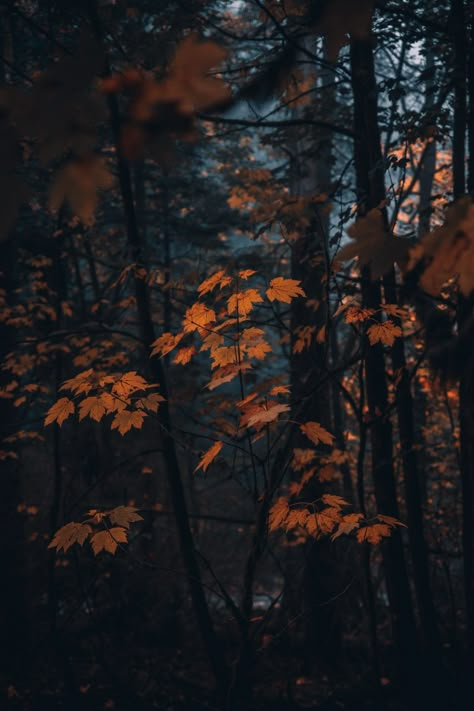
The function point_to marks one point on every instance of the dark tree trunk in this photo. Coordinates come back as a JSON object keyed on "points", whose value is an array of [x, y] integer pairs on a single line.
{"points": [[370, 188]]}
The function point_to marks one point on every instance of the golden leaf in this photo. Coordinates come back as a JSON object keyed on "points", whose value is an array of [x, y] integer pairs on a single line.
{"points": [[124, 516], [267, 414], [385, 332], [374, 533], [373, 244], [60, 411], [108, 540], [448, 250], [92, 407], [217, 279], [126, 419], [78, 183], [69, 534], [198, 316], [348, 523], [150, 402], [184, 355], [278, 513], [165, 344], [209, 456], [284, 290], [128, 383], [243, 301], [316, 433]]}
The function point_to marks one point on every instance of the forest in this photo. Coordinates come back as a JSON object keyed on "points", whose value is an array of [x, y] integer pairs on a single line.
{"points": [[237, 355]]}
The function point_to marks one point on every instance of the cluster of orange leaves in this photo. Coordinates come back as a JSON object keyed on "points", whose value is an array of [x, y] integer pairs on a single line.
{"points": [[105, 530]]}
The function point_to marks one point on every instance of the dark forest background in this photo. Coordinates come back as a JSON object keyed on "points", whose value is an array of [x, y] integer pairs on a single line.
{"points": [[236, 344]]}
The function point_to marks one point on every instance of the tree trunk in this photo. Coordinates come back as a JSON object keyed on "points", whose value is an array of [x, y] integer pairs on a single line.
{"points": [[370, 188]]}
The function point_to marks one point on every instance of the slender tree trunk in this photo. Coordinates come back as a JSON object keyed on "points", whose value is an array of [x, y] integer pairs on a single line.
{"points": [[175, 479], [370, 188]]}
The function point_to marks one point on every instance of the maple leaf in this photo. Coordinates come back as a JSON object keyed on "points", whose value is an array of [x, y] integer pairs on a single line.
{"points": [[356, 314], [246, 274], [150, 402], [267, 414], [223, 356], [278, 513], [60, 411], [323, 522], [390, 520], [184, 355], [280, 390], [198, 316], [316, 433], [124, 516], [296, 517], [374, 533], [217, 279], [209, 456], [92, 407], [69, 534], [78, 183], [385, 332], [395, 310], [448, 251], [373, 244], [125, 419], [188, 84], [226, 373], [259, 350], [165, 344], [333, 500], [348, 523], [108, 540], [129, 383], [81, 383], [284, 290], [243, 301]]}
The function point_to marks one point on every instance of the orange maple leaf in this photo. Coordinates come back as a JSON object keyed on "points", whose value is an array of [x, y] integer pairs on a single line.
{"points": [[209, 456], [284, 290], [60, 411]]}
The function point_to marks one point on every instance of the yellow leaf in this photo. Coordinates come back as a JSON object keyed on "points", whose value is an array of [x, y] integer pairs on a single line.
{"points": [[209, 456], [373, 244], [278, 513], [279, 390], [316, 433], [150, 402], [60, 411], [124, 516], [385, 332], [284, 290], [246, 273], [92, 407], [69, 534], [129, 383], [223, 356], [165, 344], [333, 500], [126, 419], [348, 523], [217, 279], [198, 316], [267, 414], [323, 522], [184, 355], [373, 534], [355, 314], [243, 301], [108, 540]]}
